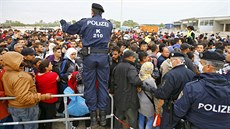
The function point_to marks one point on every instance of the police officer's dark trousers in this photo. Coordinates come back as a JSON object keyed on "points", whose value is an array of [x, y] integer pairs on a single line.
{"points": [[166, 123], [96, 67]]}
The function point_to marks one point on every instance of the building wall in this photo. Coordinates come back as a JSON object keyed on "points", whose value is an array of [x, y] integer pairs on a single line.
{"points": [[218, 27], [205, 26], [205, 29]]}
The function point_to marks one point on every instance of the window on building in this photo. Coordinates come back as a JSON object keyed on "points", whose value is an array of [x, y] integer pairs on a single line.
{"points": [[211, 22], [206, 22], [227, 28], [201, 23]]}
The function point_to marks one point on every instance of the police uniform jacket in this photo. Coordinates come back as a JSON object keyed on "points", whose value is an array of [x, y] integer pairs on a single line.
{"points": [[205, 102], [125, 80], [174, 82], [95, 31], [188, 62]]}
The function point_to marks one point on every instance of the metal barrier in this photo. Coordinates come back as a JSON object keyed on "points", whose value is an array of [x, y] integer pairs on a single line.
{"points": [[66, 119]]}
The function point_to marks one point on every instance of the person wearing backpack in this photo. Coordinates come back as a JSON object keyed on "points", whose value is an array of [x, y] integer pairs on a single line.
{"points": [[67, 67]]}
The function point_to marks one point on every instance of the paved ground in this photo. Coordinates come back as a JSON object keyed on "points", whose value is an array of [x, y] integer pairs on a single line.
{"points": [[61, 125]]}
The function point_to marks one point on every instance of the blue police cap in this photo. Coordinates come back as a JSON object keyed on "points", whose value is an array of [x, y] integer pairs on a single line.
{"points": [[98, 7], [27, 51], [176, 54], [212, 55]]}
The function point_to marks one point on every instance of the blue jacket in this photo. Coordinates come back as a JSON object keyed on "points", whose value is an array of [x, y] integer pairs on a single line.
{"points": [[206, 102], [95, 31], [160, 60], [174, 82], [67, 67]]}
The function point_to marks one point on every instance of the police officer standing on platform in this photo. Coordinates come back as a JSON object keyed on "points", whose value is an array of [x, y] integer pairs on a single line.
{"points": [[205, 103], [95, 33]]}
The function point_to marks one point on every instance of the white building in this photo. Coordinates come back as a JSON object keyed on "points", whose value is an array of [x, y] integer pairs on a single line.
{"points": [[206, 24]]}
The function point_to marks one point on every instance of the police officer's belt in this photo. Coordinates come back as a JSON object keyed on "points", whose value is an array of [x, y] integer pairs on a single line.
{"points": [[95, 50], [85, 51]]}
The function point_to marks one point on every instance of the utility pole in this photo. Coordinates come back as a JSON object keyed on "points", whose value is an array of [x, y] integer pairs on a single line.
{"points": [[121, 14], [1, 7], [228, 7]]}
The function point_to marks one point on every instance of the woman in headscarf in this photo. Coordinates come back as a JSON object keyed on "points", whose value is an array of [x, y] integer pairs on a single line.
{"points": [[70, 72], [147, 102], [68, 66]]}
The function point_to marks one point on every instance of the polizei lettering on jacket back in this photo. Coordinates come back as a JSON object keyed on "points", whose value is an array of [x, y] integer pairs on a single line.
{"points": [[214, 108], [96, 23]]}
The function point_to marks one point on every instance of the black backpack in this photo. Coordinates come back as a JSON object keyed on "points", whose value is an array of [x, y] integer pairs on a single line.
{"points": [[156, 71]]}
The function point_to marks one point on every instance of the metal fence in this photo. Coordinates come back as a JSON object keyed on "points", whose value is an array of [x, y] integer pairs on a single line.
{"points": [[66, 119]]}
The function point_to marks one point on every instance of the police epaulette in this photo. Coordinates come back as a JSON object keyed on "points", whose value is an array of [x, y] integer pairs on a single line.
{"points": [[193, 81], [83, 18]]}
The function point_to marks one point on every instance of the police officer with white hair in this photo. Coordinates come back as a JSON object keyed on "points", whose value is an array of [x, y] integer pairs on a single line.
{"points": [[205, 103], [171, 87], [95, 33]]}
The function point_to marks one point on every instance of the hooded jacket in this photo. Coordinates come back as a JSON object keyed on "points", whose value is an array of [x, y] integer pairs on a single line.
{"points": [[205, 102], [18, 83]]}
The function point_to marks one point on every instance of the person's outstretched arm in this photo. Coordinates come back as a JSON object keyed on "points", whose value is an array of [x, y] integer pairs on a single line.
{"points": [[71, 28]]}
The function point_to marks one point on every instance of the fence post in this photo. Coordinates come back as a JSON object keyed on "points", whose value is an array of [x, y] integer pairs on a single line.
{"points": [[66, 113], [112, 113]]}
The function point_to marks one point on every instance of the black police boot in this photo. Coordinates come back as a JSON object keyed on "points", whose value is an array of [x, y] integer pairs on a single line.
{"points": [[102, 118], [93, 117]]}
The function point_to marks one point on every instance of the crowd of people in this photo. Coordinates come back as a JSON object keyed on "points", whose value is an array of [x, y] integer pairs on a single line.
{"points": [[148, 72]]}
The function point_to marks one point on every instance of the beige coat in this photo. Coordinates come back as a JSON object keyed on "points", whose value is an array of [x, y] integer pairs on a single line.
{"points": [[18, 83]]}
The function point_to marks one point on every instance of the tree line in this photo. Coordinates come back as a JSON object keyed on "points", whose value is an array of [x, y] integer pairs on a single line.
{"points": [[41, 23]]}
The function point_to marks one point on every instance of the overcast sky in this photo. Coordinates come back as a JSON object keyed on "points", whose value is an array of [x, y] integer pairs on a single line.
{"points": [[141, 11]]}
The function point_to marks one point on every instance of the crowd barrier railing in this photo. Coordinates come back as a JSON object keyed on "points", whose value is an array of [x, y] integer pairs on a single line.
{"points": [[66, 119]]}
